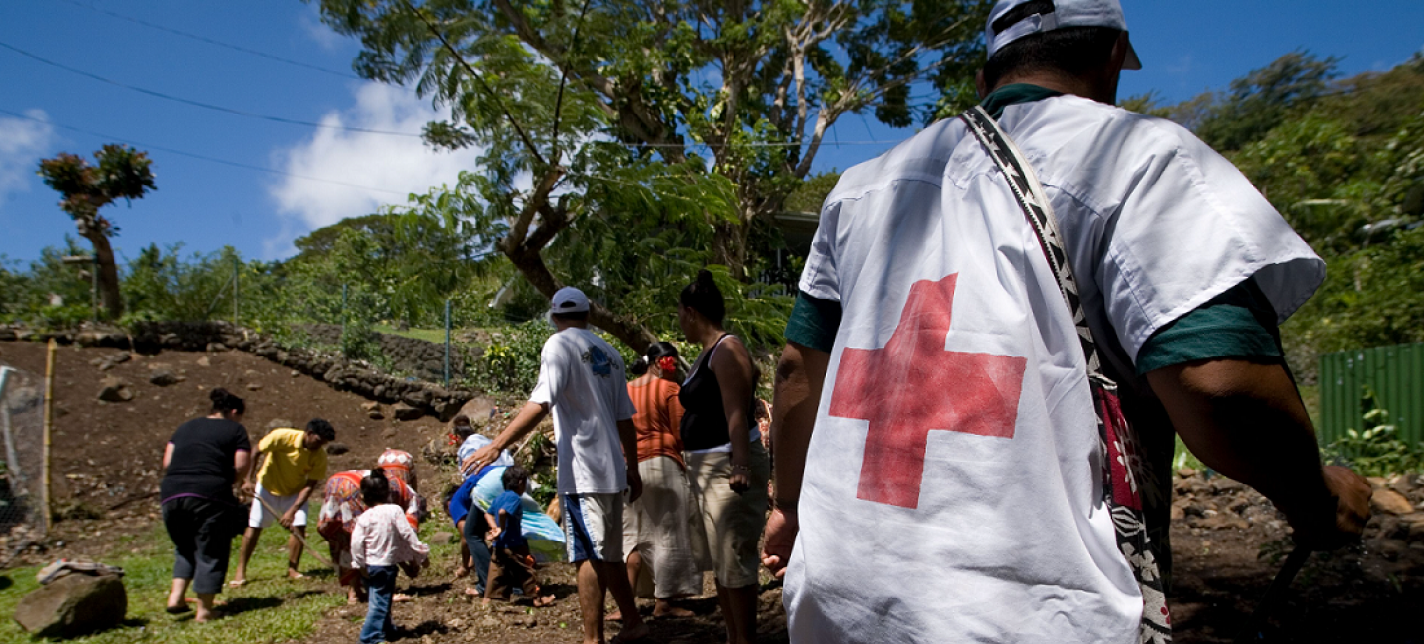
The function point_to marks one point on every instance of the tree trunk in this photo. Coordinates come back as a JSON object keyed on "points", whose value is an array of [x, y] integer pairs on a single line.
{"points": [[532, 266], [729, 247], [109, 294]]}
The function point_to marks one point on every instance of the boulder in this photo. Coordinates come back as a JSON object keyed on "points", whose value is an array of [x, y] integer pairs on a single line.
{"points": [[115, 390], [1390, 502], [204, 362], [216, 347], [114, 361], [337, 449], [73, 605], [253, 386], [373, 410], [280, 423], [402, 411], [442, 538], [164, 377]]}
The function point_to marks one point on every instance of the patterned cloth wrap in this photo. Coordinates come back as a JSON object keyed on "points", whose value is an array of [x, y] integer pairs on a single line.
{"points": [[546, 538], [342, 504], [399, 464]]}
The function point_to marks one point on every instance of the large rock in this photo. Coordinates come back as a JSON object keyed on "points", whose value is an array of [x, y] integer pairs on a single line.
{"points": [[73, 605], [164, 377], [402, 411], [373, 410], [1390, 502], [115, 390], [114, 361]]}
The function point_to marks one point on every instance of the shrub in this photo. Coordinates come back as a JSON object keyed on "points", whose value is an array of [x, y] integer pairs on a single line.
{"points": [[1377, 449]]}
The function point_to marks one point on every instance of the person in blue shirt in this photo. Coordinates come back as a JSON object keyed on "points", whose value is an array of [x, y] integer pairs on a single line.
{"points": [[511, 564], [475, 554]]}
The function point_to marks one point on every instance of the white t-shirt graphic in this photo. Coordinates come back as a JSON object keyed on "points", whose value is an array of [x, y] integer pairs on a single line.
{"points": [[583, 379], [953, 483]]}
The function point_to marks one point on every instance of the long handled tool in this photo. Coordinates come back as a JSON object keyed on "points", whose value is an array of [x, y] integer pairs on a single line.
{"points": [[1255, 630], [294, 533]]}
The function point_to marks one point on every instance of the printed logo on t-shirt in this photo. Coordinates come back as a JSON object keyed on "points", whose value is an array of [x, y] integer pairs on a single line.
{"points": [[598, 361]]}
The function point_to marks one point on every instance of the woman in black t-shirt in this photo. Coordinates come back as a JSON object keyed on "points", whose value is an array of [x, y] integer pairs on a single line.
{"points": [[726, 463], [203, 460]]}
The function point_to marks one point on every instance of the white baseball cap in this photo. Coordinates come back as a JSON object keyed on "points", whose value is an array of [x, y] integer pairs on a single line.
{"points": [[568, 300], [1047, 15]]}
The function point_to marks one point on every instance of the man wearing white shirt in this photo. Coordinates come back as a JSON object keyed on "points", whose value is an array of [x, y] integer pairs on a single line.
{"points": [[952, 487], [582, 380]]}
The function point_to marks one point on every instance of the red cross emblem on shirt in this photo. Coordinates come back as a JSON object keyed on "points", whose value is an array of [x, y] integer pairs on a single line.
{"points": [[914, 386]]}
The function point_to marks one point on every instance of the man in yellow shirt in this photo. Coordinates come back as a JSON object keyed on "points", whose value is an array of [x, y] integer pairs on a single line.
{"points": [[295, 464]]}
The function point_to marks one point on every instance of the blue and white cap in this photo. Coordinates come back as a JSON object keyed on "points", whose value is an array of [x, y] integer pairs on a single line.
{"points": [[1038, 16]]}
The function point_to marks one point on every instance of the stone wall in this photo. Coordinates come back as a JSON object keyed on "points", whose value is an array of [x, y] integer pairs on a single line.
{"points": [[424, 359], [346, 375]]}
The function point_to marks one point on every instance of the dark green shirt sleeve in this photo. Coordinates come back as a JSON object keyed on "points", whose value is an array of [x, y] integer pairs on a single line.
{"points": [[814, 322], [1239, 323]]}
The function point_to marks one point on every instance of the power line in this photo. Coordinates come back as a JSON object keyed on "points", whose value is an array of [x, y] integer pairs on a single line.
{"points": [[206, 106], [363, 130], [200, 157], [210, 41]]}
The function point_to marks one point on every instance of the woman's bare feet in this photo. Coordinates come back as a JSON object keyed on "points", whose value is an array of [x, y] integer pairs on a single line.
{"points": [[665, 608], [293, 574], [542, 602], [461, 572]]}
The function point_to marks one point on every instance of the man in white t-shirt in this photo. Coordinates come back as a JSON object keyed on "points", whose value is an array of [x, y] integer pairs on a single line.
{"points": [[582, 379], [953, 487]]}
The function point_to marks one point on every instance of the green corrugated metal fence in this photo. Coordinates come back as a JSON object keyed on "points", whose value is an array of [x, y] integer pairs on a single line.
{"points": [[1395, 373]]}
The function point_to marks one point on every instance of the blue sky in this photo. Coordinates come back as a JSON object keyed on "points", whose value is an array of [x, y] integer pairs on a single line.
{"points": [[1185, 47]]}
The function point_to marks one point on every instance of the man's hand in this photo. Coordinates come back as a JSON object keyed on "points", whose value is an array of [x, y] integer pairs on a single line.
{"points": [[781, 529], [288, 518], [635, 483], [493, 534], [249, 488], [479, 459], [1326, 528]]}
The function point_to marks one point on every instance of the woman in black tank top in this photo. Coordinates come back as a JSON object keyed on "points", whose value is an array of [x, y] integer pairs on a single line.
{"points": [[728, 470]]}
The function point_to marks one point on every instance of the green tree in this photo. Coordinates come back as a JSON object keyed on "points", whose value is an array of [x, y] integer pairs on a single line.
{"points": [[121, 173], [626, 95], [1260, 100]]}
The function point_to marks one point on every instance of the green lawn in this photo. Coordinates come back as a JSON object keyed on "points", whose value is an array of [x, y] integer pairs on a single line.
{"points": [[268, 609], [429, 335]]}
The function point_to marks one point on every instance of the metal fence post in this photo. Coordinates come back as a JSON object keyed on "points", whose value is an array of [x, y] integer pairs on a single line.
{"points": [[48, 428], [447, 344], [236, 271]]}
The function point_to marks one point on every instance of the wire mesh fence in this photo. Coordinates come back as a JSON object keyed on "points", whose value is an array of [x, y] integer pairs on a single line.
{"points": [[21, 461]]}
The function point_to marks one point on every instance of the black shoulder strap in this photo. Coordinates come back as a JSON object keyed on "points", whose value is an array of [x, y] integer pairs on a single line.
{"points": [[1039, 212]]}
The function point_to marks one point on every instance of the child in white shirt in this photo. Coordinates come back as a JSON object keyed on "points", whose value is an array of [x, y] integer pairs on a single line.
{"points": [[382, 540]]}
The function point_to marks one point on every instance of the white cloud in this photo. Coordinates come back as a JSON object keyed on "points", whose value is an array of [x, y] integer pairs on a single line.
{"points": [[22, 143], [386, 167], [322, 35]]}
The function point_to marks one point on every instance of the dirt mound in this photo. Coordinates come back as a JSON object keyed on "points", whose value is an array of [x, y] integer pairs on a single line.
{"points": [[108, 456]]}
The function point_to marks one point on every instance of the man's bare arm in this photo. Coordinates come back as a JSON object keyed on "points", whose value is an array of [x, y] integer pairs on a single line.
{"points": [[1246, 420], [524, 422], [800, 375]]}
